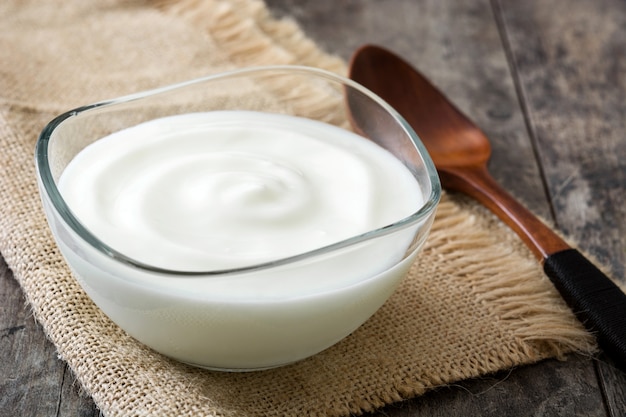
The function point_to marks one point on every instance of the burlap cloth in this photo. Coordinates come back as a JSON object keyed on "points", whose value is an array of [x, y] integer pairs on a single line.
{"points": [[476, 301]]}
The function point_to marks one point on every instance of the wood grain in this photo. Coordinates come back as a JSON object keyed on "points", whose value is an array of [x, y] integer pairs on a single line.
{"points": [[33, 381], [572, 74], [546, 81]]}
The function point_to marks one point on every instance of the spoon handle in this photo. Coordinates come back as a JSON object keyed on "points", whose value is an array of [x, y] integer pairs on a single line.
{"points": [[595, 300]]}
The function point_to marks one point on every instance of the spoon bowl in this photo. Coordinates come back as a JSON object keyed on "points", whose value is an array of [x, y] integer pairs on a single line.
{"points": [[455, 143], [459, 148]]}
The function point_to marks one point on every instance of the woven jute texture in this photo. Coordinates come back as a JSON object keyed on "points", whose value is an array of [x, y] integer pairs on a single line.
{"points": [[475, 302]]}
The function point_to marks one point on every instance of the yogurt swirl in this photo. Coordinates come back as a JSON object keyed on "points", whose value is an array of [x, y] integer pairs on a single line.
{"points": [[227, 189]]}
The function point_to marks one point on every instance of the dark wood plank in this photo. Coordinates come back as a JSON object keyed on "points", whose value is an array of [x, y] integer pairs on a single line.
{"points": [[572, 72], [33, 381]]}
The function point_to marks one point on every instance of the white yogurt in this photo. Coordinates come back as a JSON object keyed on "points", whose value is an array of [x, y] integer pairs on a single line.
{"points": [[228, 189], [208, 191]]}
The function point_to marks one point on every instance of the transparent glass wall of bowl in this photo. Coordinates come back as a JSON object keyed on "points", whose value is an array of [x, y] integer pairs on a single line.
{"points": [[252, 318]]}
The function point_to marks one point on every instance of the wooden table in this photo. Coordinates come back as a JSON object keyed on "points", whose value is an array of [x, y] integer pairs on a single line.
{"points": [[547, 81]]}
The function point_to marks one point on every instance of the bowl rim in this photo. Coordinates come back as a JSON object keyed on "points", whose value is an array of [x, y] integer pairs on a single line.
{"points": [[48, 185]]}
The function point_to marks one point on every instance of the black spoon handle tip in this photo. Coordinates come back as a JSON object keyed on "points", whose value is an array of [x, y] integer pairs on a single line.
{"points": [[597, 302]]}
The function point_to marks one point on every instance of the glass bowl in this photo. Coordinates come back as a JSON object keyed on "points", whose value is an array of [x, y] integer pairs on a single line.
{"points": [[255, 315]]}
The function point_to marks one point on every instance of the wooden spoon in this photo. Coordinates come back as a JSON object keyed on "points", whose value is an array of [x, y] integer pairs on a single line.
{"points": [[460, 151]]}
